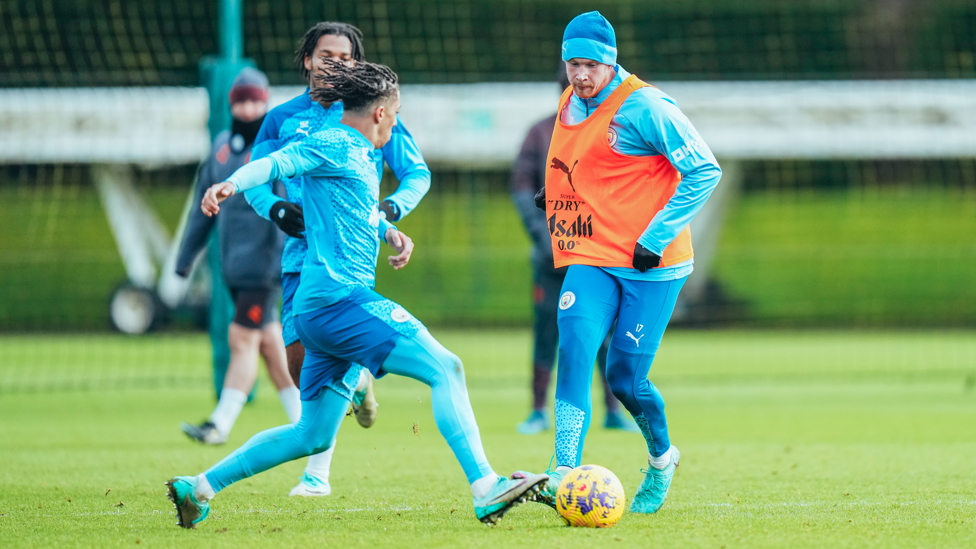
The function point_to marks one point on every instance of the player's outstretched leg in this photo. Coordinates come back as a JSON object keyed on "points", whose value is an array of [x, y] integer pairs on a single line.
{"points": [[421, 357], [587, 308], [645, 310], [313, 433]]}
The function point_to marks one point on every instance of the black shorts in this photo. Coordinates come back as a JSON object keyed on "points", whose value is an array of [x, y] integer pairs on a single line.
{"points": [[255, 307]]}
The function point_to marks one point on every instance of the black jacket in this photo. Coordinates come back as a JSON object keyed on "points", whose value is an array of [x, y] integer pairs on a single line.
{"points": [[250, 246]]}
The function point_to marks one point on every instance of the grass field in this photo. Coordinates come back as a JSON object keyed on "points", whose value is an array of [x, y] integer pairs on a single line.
{"points": [[788, 440]]}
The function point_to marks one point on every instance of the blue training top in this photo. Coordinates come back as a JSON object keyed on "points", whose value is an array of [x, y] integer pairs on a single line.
{"points": [[343, 223], [301, 117], [649, 123]]}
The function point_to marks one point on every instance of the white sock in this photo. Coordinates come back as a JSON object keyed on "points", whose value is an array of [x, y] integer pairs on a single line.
{"points": [[204, 492], [319, 464], [563, 469], [291, 399], [660, 462], [364, 376], [228, 408], [482, 486]]}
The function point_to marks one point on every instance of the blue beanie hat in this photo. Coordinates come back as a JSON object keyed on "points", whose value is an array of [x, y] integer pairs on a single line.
{"points": [[590, 36]]}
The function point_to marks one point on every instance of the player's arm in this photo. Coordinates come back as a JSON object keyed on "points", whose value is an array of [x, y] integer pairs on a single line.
{"points": [[268, 204], [294, 160], [403, 156], [668, 131], [198, 225], [262, 197]]}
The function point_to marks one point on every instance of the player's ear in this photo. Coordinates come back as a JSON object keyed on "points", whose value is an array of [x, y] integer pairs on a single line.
{"points": [[308, 63], [378, 113]]}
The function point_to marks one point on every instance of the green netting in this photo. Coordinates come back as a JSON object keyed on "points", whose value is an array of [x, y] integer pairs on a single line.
{"points": [[160, 42]]}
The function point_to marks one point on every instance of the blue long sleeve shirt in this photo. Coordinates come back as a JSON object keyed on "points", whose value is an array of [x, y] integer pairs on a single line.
{"points": [[343, 224], [649, 123], [301, 117]]}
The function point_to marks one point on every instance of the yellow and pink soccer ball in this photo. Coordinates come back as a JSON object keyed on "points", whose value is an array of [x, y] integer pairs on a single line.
{"points": [[590, 496]]}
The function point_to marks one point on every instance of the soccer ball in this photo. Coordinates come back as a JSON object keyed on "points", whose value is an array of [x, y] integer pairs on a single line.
{"points": [[590, 496]]}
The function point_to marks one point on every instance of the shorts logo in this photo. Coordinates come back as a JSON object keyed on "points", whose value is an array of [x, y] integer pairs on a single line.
{"points": [[567, 300], [255, 314], [399, 315]]}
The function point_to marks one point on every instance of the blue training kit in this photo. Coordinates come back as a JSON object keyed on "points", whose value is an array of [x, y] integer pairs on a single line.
{"points": [[591, 300], [648, 123], [292, 122], [339, 317]]}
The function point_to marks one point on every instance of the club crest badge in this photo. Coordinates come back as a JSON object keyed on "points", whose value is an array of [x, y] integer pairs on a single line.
{"points": [[566, 300], [399, 315], [611, 136]]}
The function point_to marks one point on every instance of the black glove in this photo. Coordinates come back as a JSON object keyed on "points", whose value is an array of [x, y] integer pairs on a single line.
{"points": [[540, 199], [289, 218], [391, 210], [645, 259]]}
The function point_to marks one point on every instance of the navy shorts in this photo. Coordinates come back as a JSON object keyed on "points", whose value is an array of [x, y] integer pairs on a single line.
{"points": [[255, 308], [361, 329]]}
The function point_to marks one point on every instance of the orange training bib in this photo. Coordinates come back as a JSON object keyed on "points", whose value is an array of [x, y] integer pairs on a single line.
{"points": [[599, 201]]}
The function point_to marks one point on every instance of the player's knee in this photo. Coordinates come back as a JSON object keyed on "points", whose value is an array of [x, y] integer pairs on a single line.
{"points": [[620, 386], [448, 366], [318, 449], [309, 441]]}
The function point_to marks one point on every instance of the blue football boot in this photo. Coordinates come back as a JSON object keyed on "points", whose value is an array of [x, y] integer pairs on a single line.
{"points": [[652, 492], [189, 511], [506, 494], [547, 492]]}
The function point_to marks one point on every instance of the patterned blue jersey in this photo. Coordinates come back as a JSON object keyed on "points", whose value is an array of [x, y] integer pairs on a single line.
{"points": [[294, 128], [343, 225], [296, 120]]}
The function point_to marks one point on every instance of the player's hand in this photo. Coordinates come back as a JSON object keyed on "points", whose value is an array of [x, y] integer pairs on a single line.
{"points": [[403, 246], [645, 259], [391, 210], [289, 218], [540, 199], [214, 196]]}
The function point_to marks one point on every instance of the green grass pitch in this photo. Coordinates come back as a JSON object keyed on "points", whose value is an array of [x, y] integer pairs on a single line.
{"points": [[788, 440]]}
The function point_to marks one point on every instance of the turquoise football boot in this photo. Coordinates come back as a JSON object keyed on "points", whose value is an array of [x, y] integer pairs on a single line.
{"points": [[652, 492], [505, 495], [311, 487], [547, 493], [189, 511]]}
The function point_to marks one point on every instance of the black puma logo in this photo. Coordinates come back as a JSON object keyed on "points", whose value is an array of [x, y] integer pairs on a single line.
{"points": [[559, 165]]}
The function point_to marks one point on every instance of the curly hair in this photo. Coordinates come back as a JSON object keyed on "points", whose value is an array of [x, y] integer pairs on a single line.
{"points": [[358, 87], [306, 48]]}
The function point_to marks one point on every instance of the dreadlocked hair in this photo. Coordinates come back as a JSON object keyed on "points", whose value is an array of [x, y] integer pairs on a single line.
{"points": [[306, 48], [358, 87]]}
